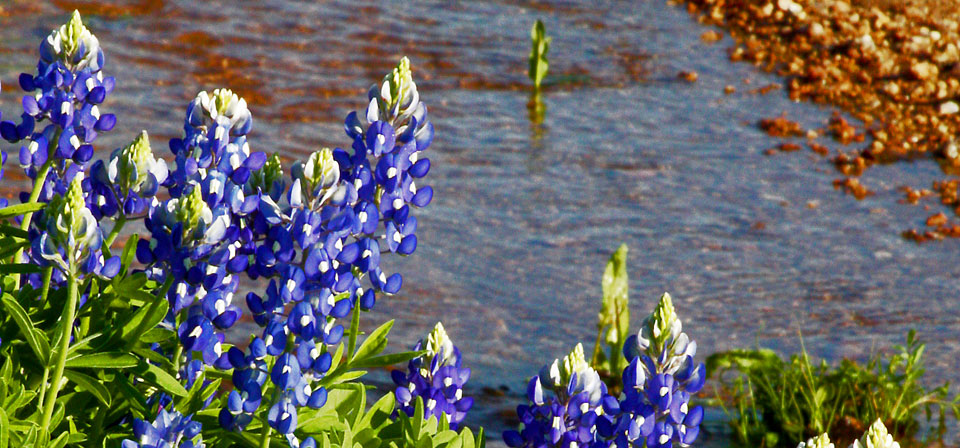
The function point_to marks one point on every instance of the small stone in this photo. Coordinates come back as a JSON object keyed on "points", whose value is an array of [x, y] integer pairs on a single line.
{"points": [[924, 70], [949, 108]]}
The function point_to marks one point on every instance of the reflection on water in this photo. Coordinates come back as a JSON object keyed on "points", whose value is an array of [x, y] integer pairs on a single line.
{"points": [[529, 204]]}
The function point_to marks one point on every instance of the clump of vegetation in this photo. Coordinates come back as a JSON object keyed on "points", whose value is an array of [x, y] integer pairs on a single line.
{"points": [[538, 54], [613, 322], [775, 402]]}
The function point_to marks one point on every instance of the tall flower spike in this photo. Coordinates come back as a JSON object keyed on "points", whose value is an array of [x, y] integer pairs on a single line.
{"points": [[876, 437], [437, 377], [71, 232], [821, 441]]}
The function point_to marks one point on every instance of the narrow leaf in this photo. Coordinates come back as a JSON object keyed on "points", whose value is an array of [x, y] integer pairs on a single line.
{"points": [[20, 209], [158, 377], [37, 340], [89, 384], [109, 360], [373, 344]]}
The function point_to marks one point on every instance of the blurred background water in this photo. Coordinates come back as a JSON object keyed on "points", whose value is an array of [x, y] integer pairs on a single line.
{"points": [[753, 248]]}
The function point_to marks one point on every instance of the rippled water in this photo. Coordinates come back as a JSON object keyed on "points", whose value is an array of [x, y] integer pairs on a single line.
{"points": [[753, 248]]}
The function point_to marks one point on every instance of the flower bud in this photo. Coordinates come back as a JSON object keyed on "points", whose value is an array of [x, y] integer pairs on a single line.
{"points": [[134, 168], [190, 210], [876, 437], [821, 441], [73, 45]]}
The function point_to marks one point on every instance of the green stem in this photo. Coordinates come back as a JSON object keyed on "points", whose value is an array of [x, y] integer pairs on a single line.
{"points": [[265, 429], [117, 226], [177, 353], [354, 328], [47, 275], [68, 316], [43, 385]]}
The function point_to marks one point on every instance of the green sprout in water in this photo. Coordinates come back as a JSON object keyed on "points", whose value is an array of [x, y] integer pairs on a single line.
{"points": [[538, 54]]}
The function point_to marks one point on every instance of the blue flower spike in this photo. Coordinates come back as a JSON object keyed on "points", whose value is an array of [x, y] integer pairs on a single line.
{"points": [[438, 377]]}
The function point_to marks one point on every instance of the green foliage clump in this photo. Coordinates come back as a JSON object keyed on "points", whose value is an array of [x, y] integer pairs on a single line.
{"points": [[613, 322], [775, 402], [538, 54]]}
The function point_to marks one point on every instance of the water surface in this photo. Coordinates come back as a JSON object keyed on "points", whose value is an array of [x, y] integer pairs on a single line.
{"points": [[753, 248]]}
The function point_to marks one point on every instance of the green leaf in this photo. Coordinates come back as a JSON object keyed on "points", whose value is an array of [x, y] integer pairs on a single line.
{"points": [[20, 209], [157, 335], [129, 250], [19, 268], [386, 360], [614, 318], [35, 338], [108, 360], [540, 46], [89, 384], [4, 429], [6, 229], [379, 413], [197, 395], [143, 320], [373, 344], [338, 378], [153, 356], [8, 246], [158, 377]]}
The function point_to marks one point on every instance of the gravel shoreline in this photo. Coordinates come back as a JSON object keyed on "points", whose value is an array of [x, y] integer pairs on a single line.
{"points": [[894, 65]]}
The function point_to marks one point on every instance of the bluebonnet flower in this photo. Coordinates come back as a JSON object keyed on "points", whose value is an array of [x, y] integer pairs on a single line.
{"points": [[68, 236], [129, 180], [876, 437], [69, 88], [658, 384], [437, 377], [567, 400], [653, 411], [821, 441], [169, 430]]}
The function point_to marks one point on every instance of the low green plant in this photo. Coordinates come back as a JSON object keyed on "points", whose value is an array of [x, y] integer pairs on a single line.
{"points": [[538, 54], [613, 322], [775, 402]]}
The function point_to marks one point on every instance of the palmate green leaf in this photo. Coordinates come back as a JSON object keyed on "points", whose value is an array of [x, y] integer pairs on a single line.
{"points": [[157, 335], [89, 384], [197, 396], [143, 320], [35, 338], [20, 209], [60, 441], [107, 360], [373, 344], [158, 377], [379, 413]]}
